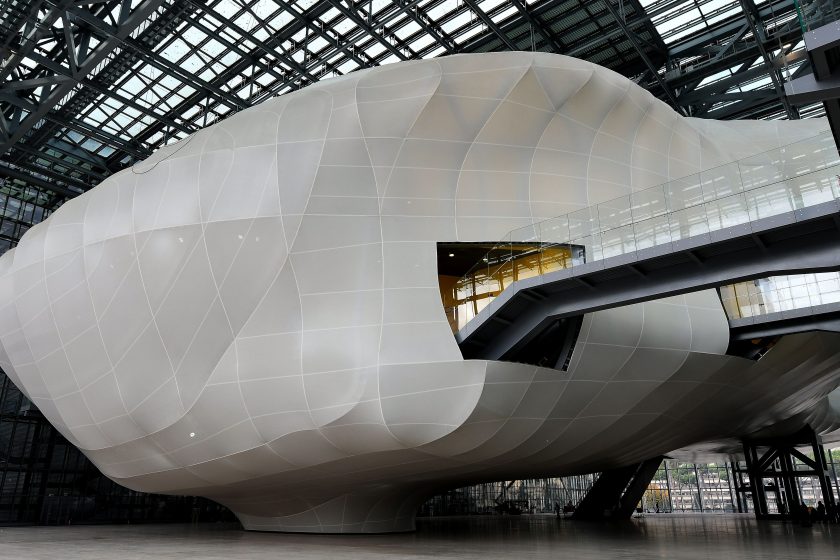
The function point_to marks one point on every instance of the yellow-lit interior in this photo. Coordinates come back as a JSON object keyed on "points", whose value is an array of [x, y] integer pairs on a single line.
{"points": [[464, 297]]}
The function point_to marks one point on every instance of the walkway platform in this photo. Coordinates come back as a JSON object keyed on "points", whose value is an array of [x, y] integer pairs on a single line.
{"points": [[806, 240]]}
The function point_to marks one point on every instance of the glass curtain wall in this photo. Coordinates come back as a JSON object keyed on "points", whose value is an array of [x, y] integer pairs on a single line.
{"points": [[701, 487], [676, 487], [780, 293], [20, 209], [535, 495]]}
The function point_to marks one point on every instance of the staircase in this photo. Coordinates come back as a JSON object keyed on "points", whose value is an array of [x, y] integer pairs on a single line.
{"points": [[617, 492]]}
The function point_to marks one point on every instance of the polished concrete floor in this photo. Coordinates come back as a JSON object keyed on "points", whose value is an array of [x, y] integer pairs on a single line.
{"points": [[675, 537]]}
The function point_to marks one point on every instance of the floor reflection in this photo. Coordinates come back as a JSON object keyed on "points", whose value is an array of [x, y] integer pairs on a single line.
{"points": [[673, 536]]}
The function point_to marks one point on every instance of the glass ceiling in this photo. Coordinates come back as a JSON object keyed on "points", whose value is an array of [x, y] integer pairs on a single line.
{"points": [[188, 63]]}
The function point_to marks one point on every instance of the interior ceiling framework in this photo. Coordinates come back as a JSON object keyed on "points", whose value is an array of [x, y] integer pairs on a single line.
{"points": [[88, 87]]}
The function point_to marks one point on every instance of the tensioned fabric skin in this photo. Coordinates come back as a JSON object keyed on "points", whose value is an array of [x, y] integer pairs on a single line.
{"points": [[253, 313]]}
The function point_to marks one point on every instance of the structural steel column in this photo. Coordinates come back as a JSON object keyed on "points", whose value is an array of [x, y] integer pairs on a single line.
{"points": [[822, 470], [756, 481]]}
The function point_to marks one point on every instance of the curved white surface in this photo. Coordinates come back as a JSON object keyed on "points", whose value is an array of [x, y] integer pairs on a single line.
{"points": [[253, 314]]}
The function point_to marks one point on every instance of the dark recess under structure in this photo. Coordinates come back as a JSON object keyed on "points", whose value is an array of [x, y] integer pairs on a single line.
{"points": [[45, 480]]}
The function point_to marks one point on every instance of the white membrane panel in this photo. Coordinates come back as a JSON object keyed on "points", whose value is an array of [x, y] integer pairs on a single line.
{"points": [[253, 314]]}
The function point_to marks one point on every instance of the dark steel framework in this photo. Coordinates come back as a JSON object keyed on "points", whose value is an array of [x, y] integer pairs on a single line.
{"points": [[89, 86], [771, 469]]}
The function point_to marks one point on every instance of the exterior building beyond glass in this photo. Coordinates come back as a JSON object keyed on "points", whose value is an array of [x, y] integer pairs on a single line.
{"points": [[676, 487], [780, 293], [45, 480]]}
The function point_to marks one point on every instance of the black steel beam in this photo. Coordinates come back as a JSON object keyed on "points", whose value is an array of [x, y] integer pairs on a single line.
{"points": [[482, 15], [431, 27], [102, 50], [669, 93], [754, 20], [37, 181]]}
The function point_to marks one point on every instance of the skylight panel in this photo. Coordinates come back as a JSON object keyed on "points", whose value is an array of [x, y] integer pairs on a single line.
{"points": [[229, 35], [264, 8], [133, 85], [330, 14], [317, 43], [261, 34], [175, 50], [246, 21], [489, 5], [460, 20], [122, 120], [504, 14], [191, 113], [173, 99], [348, 67], [186, 90], [207, 74], [407, 30], [192, 63], [687, 31], [345, 26], [169, 82], [299, 56], [469, 33], [728, 13], [711, 5], [714, 77], [281, 20], [762, 82], [265, 79], [668, 24], [229, 59], [212, 48], [440, 10], [437, 51], [95, 117], [91, 145], [304, 5], [421, 43], [245, 44], [378, 5], [244, 92], [234, 82], [193, 35], [390, 59], [375, 49], [226, 9]]}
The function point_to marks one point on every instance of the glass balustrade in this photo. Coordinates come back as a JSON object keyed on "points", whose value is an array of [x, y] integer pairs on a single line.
{"points": [[812, 14], [770, 183]]}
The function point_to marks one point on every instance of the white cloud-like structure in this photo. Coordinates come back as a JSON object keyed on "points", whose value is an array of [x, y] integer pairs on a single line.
{"points": [[253, 313]]}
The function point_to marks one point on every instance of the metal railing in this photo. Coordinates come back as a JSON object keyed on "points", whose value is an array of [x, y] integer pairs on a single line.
{"points": [[812, 14], [767, 184]]}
